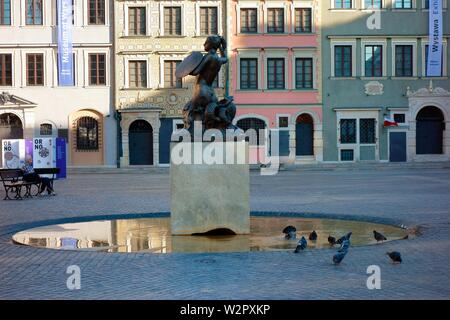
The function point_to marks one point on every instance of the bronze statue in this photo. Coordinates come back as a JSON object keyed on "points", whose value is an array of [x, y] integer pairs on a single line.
{"points": [[204, 105]]}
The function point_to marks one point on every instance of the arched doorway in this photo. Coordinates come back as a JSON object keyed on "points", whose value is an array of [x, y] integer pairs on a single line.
{"points": [[304, 135], [10, 127], [141, 143], [429, 131]]}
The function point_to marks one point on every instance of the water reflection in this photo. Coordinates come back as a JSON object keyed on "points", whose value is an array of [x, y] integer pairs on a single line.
{"points": [[153, 235]]}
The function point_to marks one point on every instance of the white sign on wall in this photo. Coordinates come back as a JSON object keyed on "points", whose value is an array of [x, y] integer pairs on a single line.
{"points": [[13, 153]]}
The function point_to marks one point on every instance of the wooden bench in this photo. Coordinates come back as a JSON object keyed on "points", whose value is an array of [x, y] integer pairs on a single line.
{"points": [[51, 172], [12, 180]]}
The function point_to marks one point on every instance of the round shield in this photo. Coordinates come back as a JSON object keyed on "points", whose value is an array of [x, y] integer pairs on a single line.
{"points": [[189, 64]]}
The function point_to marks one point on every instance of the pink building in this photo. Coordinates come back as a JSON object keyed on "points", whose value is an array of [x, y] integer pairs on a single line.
{"points": [[275, 74]]}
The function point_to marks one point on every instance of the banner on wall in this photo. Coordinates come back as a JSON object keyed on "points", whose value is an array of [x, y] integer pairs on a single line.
{"points": [[65, 56], [434, 63], [13, 153]]}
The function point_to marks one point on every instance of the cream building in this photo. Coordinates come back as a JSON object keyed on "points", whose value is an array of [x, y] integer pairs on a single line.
{"points": [[151, 37], [33, 104]]}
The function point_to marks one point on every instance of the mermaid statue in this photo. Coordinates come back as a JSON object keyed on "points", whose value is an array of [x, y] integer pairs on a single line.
{"points": [[204, 105]]}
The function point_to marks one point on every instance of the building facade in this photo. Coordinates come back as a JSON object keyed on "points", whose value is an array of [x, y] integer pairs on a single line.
{"points": [[33, 104], [151, 39], [374, 67], [275, 75]]}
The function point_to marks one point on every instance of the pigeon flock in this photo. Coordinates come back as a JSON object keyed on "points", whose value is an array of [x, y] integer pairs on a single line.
{"points": [[344, 242]]}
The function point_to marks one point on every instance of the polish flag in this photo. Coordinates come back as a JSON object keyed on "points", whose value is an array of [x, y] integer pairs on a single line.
{"points": [[389, 122]]}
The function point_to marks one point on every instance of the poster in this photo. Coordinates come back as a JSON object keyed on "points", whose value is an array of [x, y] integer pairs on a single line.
{"points": [[13, 153], [43, 152]]}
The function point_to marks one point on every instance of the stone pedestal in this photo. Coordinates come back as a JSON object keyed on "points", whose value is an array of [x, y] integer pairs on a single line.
{"points": [[207, 193]]}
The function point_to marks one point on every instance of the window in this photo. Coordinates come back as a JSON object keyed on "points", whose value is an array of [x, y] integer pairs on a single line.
{"points": [[426, 61], [257, 129], [347, 154], [208, 21], [399, 117], [275, 20], [136, 21], [283, 122], [426, 4], [249, 20], [45, 129], [35, 69], [303, 73], [96, 12], [373, 4], [179, 126], [366, 130], [403, 61], [403, 4], [87, 134], [342, 4], [172, 21], [170, 80], [34, 12], [5, 12], [97, 69], [5, 70], [249, 74], [63, 133], [343, 61], [348, 131], [137, 74], [303, 20], [373, 61], [73, 13], [275, 73]]}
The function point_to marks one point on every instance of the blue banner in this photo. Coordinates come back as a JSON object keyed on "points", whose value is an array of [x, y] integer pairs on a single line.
{"points": [[61, 157], [434, 63], [65, 56]]}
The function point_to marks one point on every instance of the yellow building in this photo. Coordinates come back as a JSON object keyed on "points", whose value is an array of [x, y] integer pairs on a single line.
{"points": [[151, 38]]}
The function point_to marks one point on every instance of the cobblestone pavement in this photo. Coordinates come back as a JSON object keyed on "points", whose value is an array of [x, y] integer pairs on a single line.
{"points": [[414, 197]]}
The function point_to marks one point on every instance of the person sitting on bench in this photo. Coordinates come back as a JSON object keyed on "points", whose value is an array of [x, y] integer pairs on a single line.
{"points": [[30, 176]]}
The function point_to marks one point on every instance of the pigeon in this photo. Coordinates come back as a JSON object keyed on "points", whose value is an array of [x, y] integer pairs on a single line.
{"points": [[331, 240], [313, 236], [378, 236], [395, 256], [338, 257], [301, 245], [290, 232], [344, 247], [346, 237]]}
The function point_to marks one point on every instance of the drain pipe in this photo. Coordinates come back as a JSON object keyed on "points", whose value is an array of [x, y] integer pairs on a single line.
{"points": [[118, 117]]}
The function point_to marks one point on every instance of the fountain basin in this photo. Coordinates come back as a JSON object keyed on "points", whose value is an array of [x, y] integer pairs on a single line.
{"points": [[153, 235]]}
